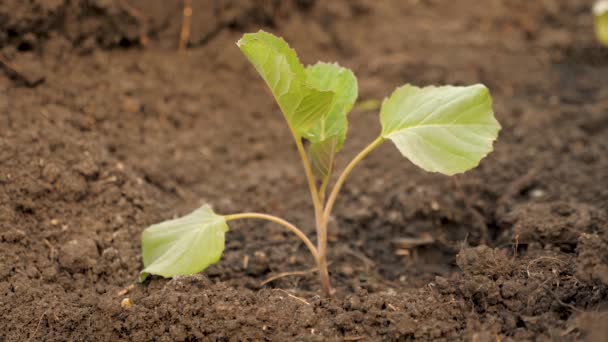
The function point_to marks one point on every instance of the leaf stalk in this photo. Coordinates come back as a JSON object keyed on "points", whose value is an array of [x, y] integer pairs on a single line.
{"points": [[289, 226], [314, 192]]}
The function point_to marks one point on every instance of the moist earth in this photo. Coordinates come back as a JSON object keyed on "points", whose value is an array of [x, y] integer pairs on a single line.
{"points": [[105, 128]]}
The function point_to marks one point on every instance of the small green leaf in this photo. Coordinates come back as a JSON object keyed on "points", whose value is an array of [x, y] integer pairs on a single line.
{"points": [[328, 134], [600, 12], [368, 105], [441, 129], [322, 157], [301, 104], [183, 246], [342, 81]]}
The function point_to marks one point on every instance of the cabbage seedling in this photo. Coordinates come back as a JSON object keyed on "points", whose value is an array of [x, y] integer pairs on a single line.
{"points": [[600, 12], [445, 129]]}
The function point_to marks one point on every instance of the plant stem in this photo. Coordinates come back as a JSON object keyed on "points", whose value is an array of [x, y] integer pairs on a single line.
{"points": [[322, 190], [318, 206], [324, 275], [322, 226], [314, 193], [281, 222]]}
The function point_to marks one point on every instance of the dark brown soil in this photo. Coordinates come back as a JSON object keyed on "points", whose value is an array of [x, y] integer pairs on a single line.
{"points": [[105, 128]]}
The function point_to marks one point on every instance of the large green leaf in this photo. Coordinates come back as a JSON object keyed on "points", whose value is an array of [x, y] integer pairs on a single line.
{"points": [[278, 64], [183, 246], [441, 129], [600, 11], [328, 134]]}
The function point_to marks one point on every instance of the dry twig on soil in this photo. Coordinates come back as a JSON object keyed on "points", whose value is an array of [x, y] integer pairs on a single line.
{"points": [[287, 274], [184, 35]]}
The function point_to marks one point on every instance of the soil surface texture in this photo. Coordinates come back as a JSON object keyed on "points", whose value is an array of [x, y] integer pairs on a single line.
{"points": [[106, 128]]}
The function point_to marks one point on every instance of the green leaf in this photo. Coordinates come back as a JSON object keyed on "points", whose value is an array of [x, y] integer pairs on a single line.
{"points": [[600, 12], [322, 157], [301, 104], [441, 129], [183, 246], [342, 81], [328, 134]]}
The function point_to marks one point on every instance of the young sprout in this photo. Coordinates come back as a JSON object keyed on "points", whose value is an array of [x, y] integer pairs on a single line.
{"points": [[600, 12], [445, 129]]}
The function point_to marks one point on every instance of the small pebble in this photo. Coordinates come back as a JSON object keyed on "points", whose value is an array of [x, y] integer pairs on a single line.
{"points": [[131, 105], [126, 303], [261, 257], [434, 205], [537, 193]]}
